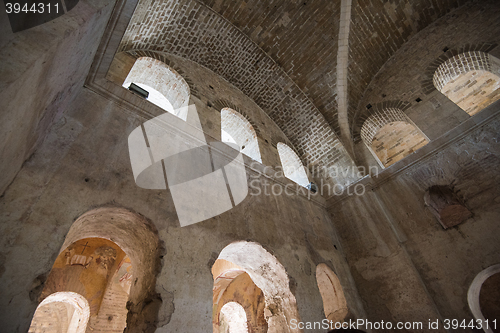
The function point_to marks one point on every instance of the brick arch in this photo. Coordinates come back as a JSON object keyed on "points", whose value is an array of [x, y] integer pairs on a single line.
{"points": [[245, 65], [379, 115], [377, 108], [138, 238], [167, 88], [460, 64], [470, 80], [163, 58], [390, 135], [427, 81]]}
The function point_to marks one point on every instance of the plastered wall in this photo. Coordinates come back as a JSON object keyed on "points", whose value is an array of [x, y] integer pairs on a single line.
{"points": [[406, 266], [73, 171], [42, 70]]}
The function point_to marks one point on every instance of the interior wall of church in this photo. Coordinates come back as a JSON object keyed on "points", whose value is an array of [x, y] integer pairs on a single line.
{"points": [[406, 266], [42, 70], [72, 172], [402, 76]]}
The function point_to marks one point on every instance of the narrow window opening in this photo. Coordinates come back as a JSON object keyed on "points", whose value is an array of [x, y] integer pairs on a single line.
{"points": [[292, 166]]}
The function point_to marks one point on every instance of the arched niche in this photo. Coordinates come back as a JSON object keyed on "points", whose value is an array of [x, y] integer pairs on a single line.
{"points": [[237, 129], [446, 206], [469, 80], [482, 297], [334, 302], [111, 252], [233, 285], [292, 165], [250, 262], [61, 312], [391, 136], [166, 87], [233, 318]]}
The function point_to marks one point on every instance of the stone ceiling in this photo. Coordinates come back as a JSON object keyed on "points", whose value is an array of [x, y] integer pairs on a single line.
{"points": [[378, 29], [283, 53]]}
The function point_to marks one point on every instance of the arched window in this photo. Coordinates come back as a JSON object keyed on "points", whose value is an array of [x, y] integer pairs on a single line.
{"points": [[469, 81], [334, 303], [165, 86], [247, 274], [292, 165], [390, 135], [237, 129], [483, 296], [102, 271], [61, 312], [233, 319]]}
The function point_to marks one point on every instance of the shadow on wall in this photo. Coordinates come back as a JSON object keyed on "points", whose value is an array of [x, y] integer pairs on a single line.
{"points": [[334, 302]]}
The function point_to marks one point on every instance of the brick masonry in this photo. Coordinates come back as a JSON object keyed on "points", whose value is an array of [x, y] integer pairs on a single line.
{"points": [[395, 141], [391, 135], [468, 80], [194, 32], [407, 75], [378, 30]]}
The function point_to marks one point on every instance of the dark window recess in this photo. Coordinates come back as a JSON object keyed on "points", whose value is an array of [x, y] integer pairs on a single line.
{"points": [[418, 100], [138, 90], [446, 206]]}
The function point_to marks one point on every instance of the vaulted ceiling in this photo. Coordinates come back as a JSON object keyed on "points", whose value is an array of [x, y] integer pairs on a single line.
{"points": [[283, 53]]}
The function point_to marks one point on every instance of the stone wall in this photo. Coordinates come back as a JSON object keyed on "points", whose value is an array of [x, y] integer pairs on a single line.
{"points": [[406, 265], [404, 77], [378, 30], [42, 70], [192, 31], [407, 76], [73, 171]]}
